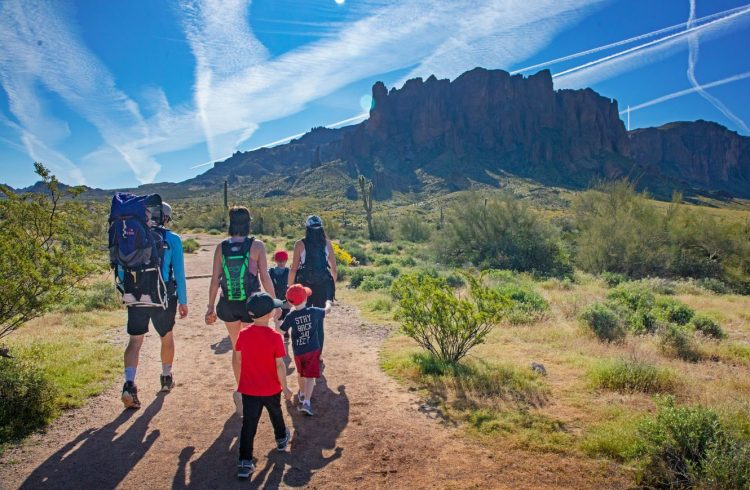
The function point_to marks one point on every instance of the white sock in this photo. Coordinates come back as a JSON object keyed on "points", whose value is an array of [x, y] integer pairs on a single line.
{"points": [[130, 374], [166, 369]]}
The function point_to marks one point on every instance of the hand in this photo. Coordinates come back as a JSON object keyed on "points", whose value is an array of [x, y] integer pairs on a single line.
{"points": [[183, 311], [288, 394], [210, 316]]}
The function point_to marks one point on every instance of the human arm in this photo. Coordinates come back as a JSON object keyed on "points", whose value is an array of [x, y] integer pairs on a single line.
{"points": [[281, 373], [329, 305], [296, 257], [332, 260], [213, 288], [178, 269], [262, 262]]}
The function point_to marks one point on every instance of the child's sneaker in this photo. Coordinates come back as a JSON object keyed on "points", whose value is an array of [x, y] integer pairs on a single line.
{"points": [[128, 299], [283, 442], [245, 468], [306, 409], [167, 383], [146, 298], [130, 395]]}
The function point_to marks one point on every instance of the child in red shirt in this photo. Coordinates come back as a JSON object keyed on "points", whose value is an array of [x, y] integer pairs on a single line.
{"points": [[262, 379]]}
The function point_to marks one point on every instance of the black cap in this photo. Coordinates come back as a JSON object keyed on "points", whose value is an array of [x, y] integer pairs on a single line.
{"points": [[261, 304]]}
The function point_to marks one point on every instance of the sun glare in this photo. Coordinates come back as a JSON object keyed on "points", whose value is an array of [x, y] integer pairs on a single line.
{"points": [[339, 2]]}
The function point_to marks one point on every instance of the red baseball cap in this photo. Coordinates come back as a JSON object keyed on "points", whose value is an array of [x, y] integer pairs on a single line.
{"points": [[280, 256], [297, 294]]}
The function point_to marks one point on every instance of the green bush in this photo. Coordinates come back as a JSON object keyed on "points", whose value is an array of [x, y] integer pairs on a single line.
{"points": [[27, 399], [99, 295], [381, 230], [383, 260], [714, 285], [527, 306], [673, 311], [358, 276], [376, 282], [635, 302], [355, 250], [501, 233], [455, 280], [631, 375], [383, 305], [407, 262], [612, 279], [689, 447], [708, 327], [440, 322], [414, 228], [677, 341], [604, 322], [190, 245], [392, 271]]}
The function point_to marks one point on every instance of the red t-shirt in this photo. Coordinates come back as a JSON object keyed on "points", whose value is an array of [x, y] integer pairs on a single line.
{"points": [[260, 347]]}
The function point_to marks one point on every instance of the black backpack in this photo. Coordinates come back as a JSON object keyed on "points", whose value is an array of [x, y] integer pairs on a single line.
{"points": [[315, 270], [237, 282], [280, 280]]}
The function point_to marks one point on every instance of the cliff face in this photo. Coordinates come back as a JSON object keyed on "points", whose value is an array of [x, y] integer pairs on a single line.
{"points": [[489, 121], [702, 154]]}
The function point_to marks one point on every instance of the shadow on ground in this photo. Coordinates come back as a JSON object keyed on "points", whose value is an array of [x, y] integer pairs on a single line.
{"points": [[98, 458], [312, 438]]}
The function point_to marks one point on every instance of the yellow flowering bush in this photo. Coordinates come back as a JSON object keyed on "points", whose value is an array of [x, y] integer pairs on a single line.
{"points": [[342, 255]]}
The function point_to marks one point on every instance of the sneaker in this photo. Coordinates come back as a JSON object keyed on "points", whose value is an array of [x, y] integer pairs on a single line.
{"points": [[146, 298], [245, 468], [283, 442], [167, 383], [130, 395], [301, 397], [306, 409], [237, 403], [128, 299]]}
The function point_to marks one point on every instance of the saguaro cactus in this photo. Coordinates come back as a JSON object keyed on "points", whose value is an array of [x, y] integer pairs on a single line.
{"points": [[366, 187]]}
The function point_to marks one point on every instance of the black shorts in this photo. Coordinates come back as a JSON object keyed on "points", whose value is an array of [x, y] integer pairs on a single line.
{"points": [[163, 320], [232, 311], [321, 293]]}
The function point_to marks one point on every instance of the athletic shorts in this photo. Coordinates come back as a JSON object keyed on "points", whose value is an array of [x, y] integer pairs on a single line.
{"points": [[233, 311], [320, 293], [163, 320], [308, 364]]}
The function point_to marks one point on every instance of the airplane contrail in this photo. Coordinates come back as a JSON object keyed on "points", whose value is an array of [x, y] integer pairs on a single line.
{"points": [[686, 32], [628, 41], [693, 50], [294, 136], [692, 90]]}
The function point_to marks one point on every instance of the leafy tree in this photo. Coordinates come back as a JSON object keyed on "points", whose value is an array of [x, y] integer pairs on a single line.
{"points": [[501, 233], [44, 250], [413, 228], [439, 321]]}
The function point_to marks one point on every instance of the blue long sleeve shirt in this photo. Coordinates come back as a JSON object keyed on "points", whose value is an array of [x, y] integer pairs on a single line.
{"points": [[173, 265]]}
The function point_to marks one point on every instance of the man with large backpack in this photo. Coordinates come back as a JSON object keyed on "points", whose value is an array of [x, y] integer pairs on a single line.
{"points": [[167, 289]]}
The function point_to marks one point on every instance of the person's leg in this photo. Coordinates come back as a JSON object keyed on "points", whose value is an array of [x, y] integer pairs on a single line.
{"points": [[164, 321], [167, 352], [273, 405], [131, 356], [309, 384], [233, 329], [252, 406]]}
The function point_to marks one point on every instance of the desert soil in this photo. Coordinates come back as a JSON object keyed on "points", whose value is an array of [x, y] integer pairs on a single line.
{"points": [[368, 430]]}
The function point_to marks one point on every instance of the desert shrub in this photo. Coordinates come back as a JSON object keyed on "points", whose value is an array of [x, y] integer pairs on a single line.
{"points": [[635, 302], [631, 375], [714, 285], [381, 230], [501, 233], [99, 295], [392, 271], [604, 322], [440, 322], [660, 285], [612, 279], [376, 282], [342, 256], [708, 327], [622, 231], [407, 262], [383, 305], [383, 260], [689, 447], [673, 311], [358, 276], [455, 280], [190, 245], [413, 228], [357, 251], [343, 273], [677, 341], [527, 306], [27, 399]]}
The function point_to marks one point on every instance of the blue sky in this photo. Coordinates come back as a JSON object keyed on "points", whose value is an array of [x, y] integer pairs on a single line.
{"points": [[113, 94]]}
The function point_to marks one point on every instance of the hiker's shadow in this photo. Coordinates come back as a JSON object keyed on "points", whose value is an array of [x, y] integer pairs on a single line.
{"points": [[312, 438], [98, 458], [314, 442]]}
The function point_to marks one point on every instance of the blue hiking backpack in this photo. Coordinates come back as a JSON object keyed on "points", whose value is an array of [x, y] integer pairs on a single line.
{"points": [[135, 247]]}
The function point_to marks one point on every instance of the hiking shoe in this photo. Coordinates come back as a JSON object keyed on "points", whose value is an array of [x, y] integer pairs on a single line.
{"points": [[306, 409], [237, 402], [282, 443], [167, 383], [245, 468], [130, 395], [128, 298]]}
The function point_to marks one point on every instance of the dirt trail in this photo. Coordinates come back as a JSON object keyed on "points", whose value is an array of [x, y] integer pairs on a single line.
{"points": [[367, 432]]}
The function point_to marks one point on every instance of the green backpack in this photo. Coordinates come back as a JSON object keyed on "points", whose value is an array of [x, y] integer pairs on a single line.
{"points": [[237, 282]]}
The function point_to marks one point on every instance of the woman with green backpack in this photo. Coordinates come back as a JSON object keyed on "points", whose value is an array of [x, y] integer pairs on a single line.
{"points": [[240, 268]]}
